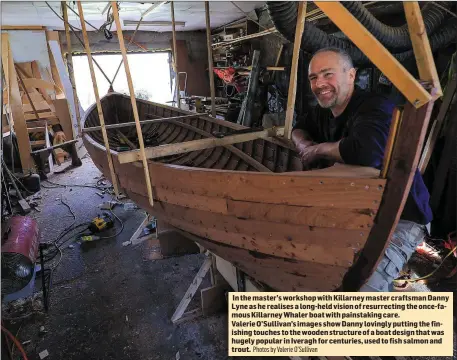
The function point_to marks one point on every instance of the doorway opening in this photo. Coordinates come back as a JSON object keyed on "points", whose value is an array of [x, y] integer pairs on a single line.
{"points": [[150, 73]]}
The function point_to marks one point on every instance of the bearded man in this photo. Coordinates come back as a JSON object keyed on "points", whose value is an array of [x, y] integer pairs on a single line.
{"points": [[351, 126]]}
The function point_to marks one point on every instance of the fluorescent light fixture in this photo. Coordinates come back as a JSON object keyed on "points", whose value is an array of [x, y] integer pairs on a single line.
{"points": [[153, 23]]}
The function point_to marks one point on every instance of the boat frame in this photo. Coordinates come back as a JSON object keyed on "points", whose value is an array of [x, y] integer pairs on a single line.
{"points": [[409, 124]]}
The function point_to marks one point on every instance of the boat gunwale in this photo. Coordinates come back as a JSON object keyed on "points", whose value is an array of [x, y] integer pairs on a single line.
{"points": [[324, 173]]}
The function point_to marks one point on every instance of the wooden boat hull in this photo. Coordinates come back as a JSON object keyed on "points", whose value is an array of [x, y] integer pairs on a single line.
{"points": [[253, 206]]}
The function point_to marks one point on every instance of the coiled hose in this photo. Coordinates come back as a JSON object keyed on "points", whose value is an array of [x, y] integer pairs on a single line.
{"points": [[284, 17]]}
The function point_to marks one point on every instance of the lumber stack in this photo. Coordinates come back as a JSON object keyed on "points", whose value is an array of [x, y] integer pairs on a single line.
{"points": [[34, 101]]}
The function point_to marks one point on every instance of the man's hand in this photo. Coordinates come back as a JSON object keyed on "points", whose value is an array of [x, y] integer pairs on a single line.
{"points": [[327, 151], [301, 140], [309, 154]]}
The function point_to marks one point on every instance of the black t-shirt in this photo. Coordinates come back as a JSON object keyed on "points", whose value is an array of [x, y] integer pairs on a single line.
{"points": [[363, 128]]}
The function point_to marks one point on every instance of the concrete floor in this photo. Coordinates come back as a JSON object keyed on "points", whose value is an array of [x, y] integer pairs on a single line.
{"points": [[107, 301]]}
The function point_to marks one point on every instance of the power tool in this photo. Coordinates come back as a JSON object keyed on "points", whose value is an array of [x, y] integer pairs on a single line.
{"points": [[101, 223]]}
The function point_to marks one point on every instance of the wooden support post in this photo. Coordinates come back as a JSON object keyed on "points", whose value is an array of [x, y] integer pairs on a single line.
{"points": [[97, 99], [173, 149], [376, 52], [17, 112], [180, 310], [294, 69], [133, 100], [421, 46], [70, 66], [175, 54], [210, 60]]}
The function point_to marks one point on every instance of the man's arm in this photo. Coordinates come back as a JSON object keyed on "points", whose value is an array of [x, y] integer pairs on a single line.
{"points": [[328, 151], [301, 139]]}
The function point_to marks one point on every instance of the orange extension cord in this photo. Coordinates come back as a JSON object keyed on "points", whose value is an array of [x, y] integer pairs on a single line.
{"points": [[16, 342]]}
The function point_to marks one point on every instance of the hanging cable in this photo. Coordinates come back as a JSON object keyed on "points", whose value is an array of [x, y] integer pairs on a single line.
{"points": [[87, 22], [72, 28]]}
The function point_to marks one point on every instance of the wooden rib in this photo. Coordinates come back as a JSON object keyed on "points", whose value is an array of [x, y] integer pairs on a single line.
{"points": [[438, 123], [298, 215], [210, 60], [133, 101], [400, 177], [97, 99], [396, 118], [294, 69], [204, 155], [233, 149], [175, 54], [70, 65], [421, 46], [376, 52], [165, 150]]}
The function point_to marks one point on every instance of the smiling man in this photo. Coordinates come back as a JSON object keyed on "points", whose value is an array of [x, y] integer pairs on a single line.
{"points": [[351, 126]]}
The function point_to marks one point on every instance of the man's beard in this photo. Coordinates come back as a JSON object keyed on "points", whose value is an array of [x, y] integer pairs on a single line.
{"points": [[327, 103]]}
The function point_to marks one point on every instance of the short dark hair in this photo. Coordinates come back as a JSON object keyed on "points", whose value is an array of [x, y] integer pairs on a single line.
{"points": [[341, 52]]}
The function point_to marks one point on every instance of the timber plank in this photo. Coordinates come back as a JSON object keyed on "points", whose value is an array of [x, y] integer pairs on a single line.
{"points": [[299, 215], [280, 274], [42, 105], [19, 124], [328, 246], [350, 193], [206, 203]]}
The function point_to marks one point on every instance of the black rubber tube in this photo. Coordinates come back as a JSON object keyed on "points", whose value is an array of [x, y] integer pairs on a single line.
{"points": [[396, 38], [284, 17]]}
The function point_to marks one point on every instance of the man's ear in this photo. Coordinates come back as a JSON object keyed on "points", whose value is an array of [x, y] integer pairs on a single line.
{"points": [[352, 73]]}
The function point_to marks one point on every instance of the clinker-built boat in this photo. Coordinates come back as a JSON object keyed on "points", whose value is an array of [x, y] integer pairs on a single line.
{"points": [[250, 203]]}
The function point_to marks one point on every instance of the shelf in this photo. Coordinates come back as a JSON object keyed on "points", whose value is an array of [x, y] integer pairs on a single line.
{"points": [[243, 38]]}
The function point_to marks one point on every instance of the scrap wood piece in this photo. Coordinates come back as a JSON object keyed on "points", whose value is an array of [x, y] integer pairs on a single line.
{"points": [[19, 124], [185, 301], [40, 84]]}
